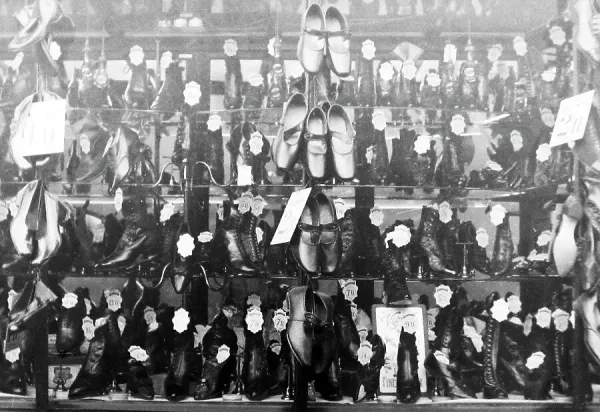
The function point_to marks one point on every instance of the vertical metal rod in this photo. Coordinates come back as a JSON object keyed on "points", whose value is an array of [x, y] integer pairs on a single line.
{"points": [[157, 123]]}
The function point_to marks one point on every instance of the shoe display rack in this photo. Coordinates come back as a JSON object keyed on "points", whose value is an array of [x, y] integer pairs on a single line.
{"points": [[174, 170]]}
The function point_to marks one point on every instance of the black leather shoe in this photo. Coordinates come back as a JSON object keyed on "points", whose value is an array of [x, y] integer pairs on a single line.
{"points": [[177, 381], [94, 377], [492, 386], [170, 96], [408, 386], [233, 83], [368, 375], [330, 242], [138, 93], [428, 232], [69, 335], [305, 242], [538, 382], [139, 384], [255, 371], [501, 262]]}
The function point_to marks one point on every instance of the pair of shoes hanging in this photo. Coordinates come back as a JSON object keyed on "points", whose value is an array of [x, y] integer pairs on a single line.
{"points": [[321, 138], [324, 36]]}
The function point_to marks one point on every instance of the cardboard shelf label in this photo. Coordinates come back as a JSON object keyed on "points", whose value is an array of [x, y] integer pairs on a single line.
{"points": [[291, 216], [572, 118]]}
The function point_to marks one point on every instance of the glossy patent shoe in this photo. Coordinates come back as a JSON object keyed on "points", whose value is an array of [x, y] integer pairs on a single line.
{"points": [[476, 255], [345, 92], [539, 379], [328, 383], [342, 136], [492, 387], [33, 301], [368, 374], [255, 371], [137, 94], [13, 380], [330, 242], [94, 377], [69, 334], [138, 244], [139, 383], [177, 381], [286, 147], [305, 245], [312, 39], [170, 96], [338, 43], [501, 262], [512, 356], [408, 386], [315, 136]]}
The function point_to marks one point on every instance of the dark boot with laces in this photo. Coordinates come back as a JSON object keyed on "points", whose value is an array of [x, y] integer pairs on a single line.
{"points": [[492, 388]]}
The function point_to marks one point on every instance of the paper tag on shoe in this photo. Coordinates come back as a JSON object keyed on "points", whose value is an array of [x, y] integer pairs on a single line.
{"points": [[223, 353], [87, 324], [13, 355], [254, 320], [69, 300], [543, 317], [365, 353], [291, 216], [409, 323], [149, 315], [244, 177], [280, 320], [114, 300], [121, 323], [572, 119], [349, 289]]}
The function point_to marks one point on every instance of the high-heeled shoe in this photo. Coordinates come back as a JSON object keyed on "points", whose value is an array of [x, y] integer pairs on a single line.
{"points": [[538, 382], [139, 383], [170, 96], [44, 13], [365, 83], [255, 373], [33, 301], [177, 381], [69, 335], [512, 359], [476, 255], [286, 147], [94, 377], [220, 347], [137, 94]]}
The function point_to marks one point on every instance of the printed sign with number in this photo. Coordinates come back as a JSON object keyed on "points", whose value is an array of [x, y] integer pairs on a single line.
{"points": [[572, 118], [290, 217]]}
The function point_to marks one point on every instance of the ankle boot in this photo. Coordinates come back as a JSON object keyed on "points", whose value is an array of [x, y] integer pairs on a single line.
{"points": [[277, 89], [345, 329], [255, 371], [233, 83], [170, 96], [441, 361], [492, 388], [177, 381], [428, 232], [348, 234], [511, 356], [408, 386], [365, 83], [379, 162], [137, 94], [501, 262], [156, 346], [220, 348], [213, 152], [394, 278], [368, 374], [255, 92], [94, 377], [452, 171], [538, 382], [139, 383], [138, 244]]}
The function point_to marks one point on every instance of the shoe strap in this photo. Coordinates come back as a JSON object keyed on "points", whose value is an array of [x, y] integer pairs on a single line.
{"points": [[312, 136], [322, 34], [290, 132], [343, 33]]}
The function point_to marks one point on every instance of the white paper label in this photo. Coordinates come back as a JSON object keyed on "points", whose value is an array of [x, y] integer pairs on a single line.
{"points": [[254, 300], [118, 200], [400, 236], [230, 47], [136, 55], [205, 237], [442, 295], [514, 304], [166, 60], [166, 212], [409, 323], [482, 238], [185, 245], [291, 216], [457, 124], [543, 152], [256, 143], [121, 322], [340, 208], [181, 320], [520, 46], [572, 119], [88, 328], [45, 129], [516, 139], [199, 334], [365, 353], [423, 144], [192, 94], [214, 122], [149, 316], [535, 360], [13, 355], [349, 289], [223, 353], [369, 154], [69, 300], [544, 238], [445, 212], [258, 205], [500, 310], [84, 143], [280, 320], [254, 320], [528, 325], [386, 71], [114, 301], [561, 320], [99, 322], [368, 49], [138, 353], [497, 214], [376, 216], [244, 175], [353, 311], [409, 70], [245, 203], [55, 51], [543, 317], [379, 121]]}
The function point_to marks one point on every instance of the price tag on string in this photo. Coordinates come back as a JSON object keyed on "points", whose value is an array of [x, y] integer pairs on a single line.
{"points": [[572, 118], [291, 215], [45, 130]]}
